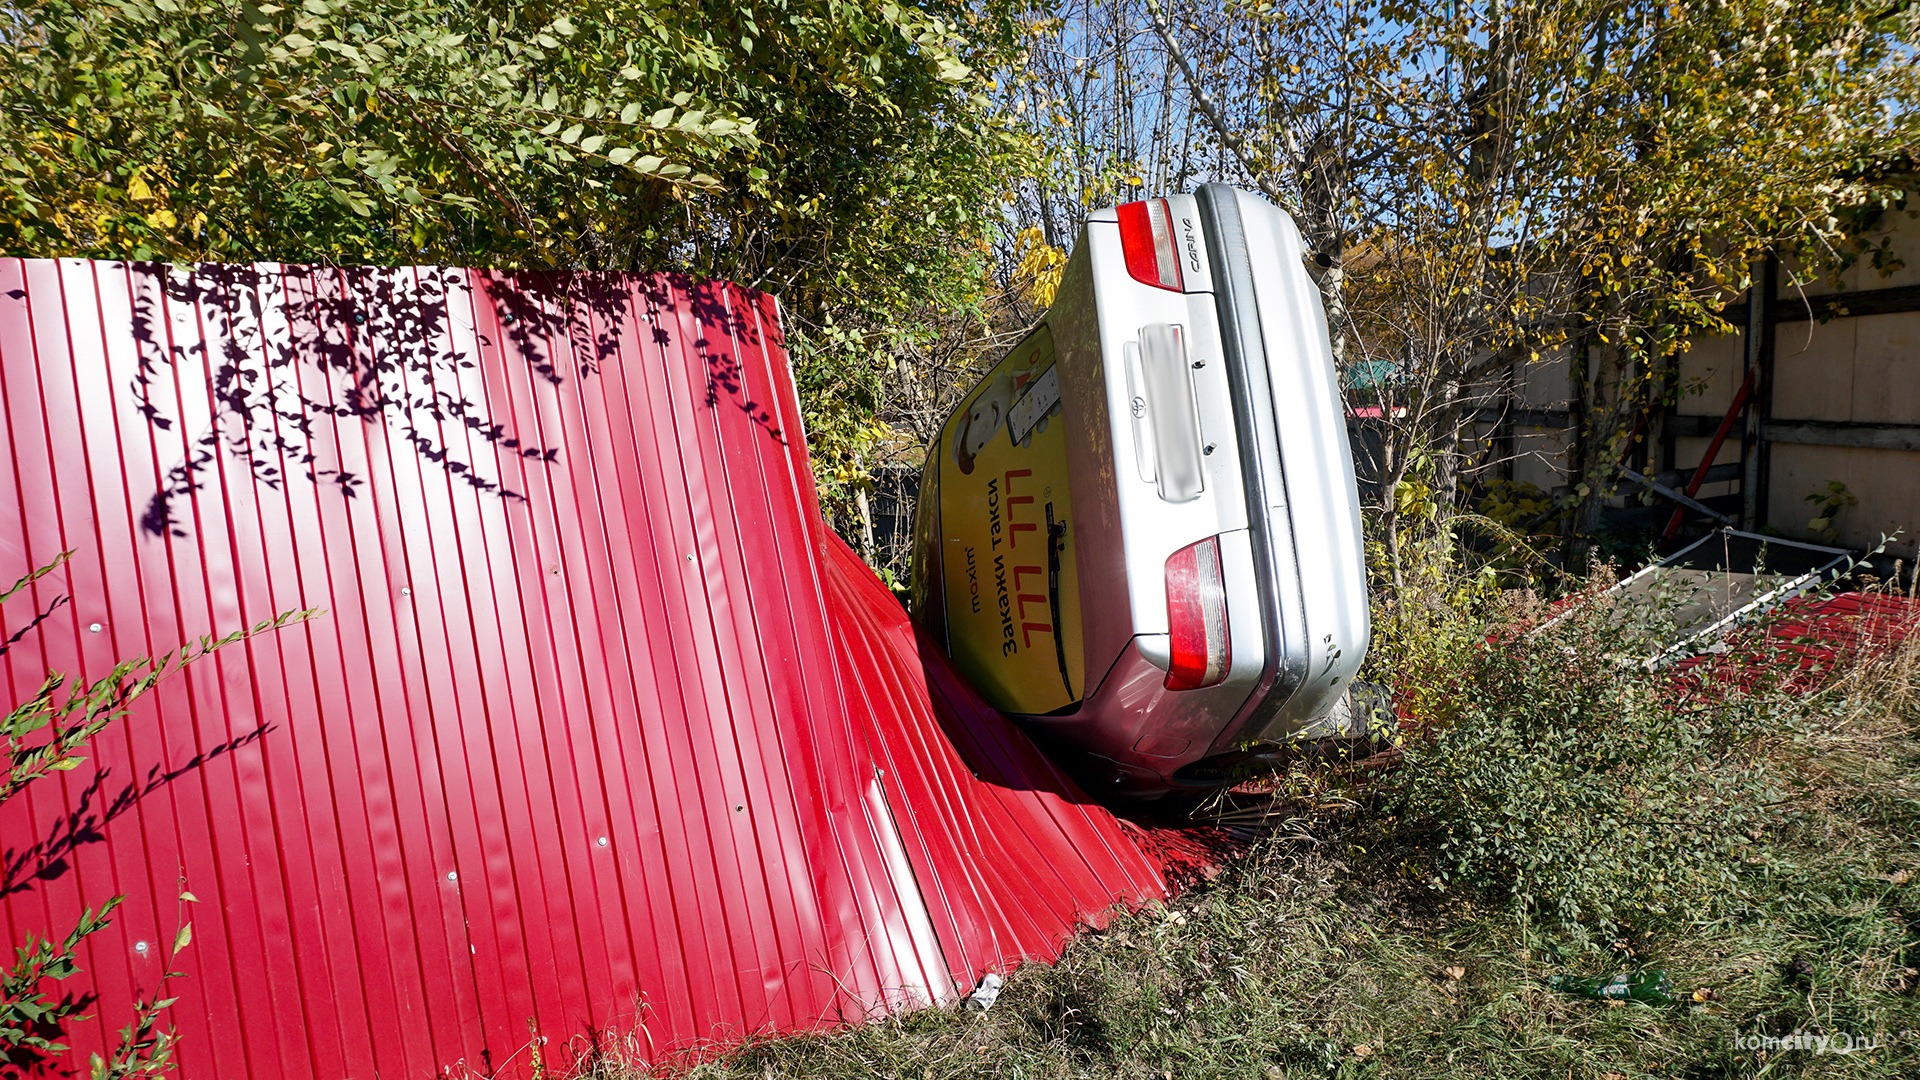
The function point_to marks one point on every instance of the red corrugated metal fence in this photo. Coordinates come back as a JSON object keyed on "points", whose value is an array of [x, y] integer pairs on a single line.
{"points": [[602, 731]]}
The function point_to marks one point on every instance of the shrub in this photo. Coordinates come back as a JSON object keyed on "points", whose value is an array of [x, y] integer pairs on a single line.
{"points": [[1554, 772]]}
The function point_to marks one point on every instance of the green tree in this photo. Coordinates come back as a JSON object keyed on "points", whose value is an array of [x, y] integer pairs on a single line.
{"points": [[837, 153]]}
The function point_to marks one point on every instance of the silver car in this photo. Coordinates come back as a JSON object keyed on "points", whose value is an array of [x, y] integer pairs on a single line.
{"points": [[1139, 534]]}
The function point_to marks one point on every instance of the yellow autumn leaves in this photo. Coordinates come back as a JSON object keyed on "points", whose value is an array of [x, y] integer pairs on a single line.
{"points": [[1037, 273]]}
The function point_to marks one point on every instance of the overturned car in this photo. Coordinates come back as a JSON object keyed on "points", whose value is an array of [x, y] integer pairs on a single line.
{"points": [[1139, 534]]}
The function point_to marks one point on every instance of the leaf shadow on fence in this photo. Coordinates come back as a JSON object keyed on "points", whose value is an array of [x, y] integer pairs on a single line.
{"points": [[292, 354], [96, 806], [32, 624], [440, 357], [728, 326]]}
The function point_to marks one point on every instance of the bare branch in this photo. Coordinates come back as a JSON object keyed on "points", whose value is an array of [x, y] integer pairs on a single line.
{"points": [[1218, 119]]}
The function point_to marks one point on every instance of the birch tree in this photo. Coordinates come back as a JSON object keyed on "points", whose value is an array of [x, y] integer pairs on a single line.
{"points": [[1517, 178]]}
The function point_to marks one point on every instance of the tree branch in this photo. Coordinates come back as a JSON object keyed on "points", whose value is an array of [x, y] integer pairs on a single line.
{"points": [[1218, 119]]}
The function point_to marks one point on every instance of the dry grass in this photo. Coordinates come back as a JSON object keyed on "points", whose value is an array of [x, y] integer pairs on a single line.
{"points": [[1330, 953]]}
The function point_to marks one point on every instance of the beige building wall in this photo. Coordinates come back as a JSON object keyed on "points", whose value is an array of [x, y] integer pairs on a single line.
{"points": [[1541, 450], [1887, 483], [1541, 455], [1852, 378], [1860, 370]]}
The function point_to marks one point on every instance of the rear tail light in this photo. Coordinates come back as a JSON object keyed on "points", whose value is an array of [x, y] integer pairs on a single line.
{"points": [[1146, 238], [1197, 617]]}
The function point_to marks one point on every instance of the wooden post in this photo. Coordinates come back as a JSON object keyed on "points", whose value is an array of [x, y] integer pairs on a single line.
{"points": [[1754, 450], [1503, 428]]}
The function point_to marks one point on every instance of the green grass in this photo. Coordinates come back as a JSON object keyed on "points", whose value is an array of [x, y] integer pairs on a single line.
{"points": [[1336, 951]]}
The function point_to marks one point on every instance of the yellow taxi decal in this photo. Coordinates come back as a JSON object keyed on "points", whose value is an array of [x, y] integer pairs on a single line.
{"points": [[1012, 593]]}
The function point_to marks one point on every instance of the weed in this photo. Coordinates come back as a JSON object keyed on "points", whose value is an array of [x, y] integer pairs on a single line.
{"points": [[1556, 811]]}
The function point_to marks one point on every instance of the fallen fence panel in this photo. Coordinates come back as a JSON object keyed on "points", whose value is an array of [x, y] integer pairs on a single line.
{"points": [[602, 738]]}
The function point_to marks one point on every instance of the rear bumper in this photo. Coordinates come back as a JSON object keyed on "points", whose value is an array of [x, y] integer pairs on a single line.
{"points": [[1303, 510], [1244, 354]]}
